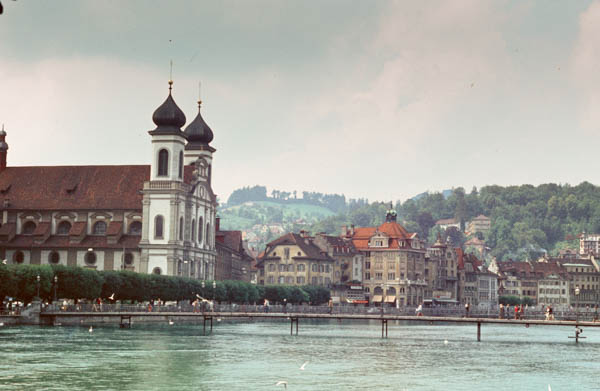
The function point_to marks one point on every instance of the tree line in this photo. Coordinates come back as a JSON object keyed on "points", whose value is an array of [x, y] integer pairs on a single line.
{"points": [[21, 283]]}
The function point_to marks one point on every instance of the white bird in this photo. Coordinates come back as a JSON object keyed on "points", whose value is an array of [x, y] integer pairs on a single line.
{"points": [[218, 319], [4, 262], [198, 296], [91, 330], [111, 297], [445, 342], [171, 323], [303, 366], [282, 382], [1, 324], [549, 388]]}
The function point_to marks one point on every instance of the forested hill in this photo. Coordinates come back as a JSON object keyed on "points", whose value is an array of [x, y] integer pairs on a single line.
{"points": [[526, 220]]}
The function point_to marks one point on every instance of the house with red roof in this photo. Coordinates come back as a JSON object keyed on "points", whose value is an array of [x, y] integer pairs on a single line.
{"points": [[394, 271], [157, 218]]}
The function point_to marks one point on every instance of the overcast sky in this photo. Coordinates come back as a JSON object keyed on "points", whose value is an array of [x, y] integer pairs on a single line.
{"points": [[381, 100]]}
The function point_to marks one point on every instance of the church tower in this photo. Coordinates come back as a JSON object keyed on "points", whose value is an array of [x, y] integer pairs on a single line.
{"points": [[179, 206]]}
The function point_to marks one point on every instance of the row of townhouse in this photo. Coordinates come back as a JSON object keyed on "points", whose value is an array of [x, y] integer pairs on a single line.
{"points": [[567, 281], [378, 265]]}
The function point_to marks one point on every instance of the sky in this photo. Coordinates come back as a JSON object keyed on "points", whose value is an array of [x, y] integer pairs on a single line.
{"points": [[380, 100]]}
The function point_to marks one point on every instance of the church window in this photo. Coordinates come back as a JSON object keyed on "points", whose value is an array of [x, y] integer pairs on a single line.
{"points": [[180, 165], [135, 228], [63, 228], [193, 230], [19, 257], [158, 227], [128, 259], [28, 228], [200, 225], [90, 258], [181, 228], [53, 257], [156, 270], [163, 162], [208, 241], [99, 228]]}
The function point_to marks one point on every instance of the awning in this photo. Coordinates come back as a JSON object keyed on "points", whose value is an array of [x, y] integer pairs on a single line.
{"points": [[390, 299], [377, 299]]}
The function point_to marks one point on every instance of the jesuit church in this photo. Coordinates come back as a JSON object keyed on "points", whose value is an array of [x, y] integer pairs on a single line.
{"points": [[149, 219]]}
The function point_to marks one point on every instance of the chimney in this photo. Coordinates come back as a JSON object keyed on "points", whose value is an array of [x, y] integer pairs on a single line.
{"points": [[344, 230], [3, 149], [352, 230], [217, 224]]}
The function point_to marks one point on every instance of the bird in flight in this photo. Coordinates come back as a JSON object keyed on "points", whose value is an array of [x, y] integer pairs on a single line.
{"points": [[4, 261], [303, 366], [282, 382], [111, 297]]}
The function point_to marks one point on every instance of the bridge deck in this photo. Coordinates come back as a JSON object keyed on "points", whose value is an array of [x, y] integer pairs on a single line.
{"points": [[292, 315]]}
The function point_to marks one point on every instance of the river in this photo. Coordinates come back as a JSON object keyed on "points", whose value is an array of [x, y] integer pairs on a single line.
{"points": [[255, 356]]}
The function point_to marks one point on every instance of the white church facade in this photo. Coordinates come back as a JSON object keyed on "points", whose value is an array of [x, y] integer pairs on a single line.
{"points": [[149, 219]]}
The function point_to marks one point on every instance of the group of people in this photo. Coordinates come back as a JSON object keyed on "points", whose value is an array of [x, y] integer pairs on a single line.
{"points": [[519, 311]]}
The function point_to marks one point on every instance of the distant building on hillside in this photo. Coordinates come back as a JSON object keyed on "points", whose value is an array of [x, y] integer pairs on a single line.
{"points": [[478, 246], [233, 261], [480, 223], [447, 223], [589, 244]]}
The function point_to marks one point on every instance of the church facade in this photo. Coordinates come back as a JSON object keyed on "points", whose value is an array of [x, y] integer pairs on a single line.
{"points": [[149, 219]]}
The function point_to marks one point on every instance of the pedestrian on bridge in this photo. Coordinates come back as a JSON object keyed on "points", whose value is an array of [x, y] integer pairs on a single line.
{"points": [[330, 306], [501, 315], [467, 310]]}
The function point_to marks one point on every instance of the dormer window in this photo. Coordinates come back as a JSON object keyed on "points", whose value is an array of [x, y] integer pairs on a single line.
{"points": [[63, 228], [99, 228], [28, 228], [135, 228]]}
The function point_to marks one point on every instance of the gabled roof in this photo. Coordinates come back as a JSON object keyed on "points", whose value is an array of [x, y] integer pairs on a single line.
{"points": [[306, 244], [391, 229]]}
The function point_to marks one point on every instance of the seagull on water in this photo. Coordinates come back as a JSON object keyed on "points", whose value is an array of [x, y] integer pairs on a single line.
{"points": [[171, 323], [282, 382], [91, 330], [303, 366], [1, 324], [445, 342]]}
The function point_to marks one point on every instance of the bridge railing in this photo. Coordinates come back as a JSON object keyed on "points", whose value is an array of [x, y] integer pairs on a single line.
{"points": [[185, 307]]}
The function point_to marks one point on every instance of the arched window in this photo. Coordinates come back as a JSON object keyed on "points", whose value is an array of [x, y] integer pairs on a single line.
{"points": [[200, 225], [63, 228], [193, 230], [181, 165], [18, 257], [192, 268], [28, 228], [179, 267], [90, 258], [135, 228], [156, 270], [128, 259], [181, 228], [99, 228], [53, 257], [158, 227], [163, 162], [208, 241]]}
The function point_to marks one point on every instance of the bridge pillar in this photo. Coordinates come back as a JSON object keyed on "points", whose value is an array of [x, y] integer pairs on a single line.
{"points": [[384, 325], [478, 331], [292, 321], [211, 323]]}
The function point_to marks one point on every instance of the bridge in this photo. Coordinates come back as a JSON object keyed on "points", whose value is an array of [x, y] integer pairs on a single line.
{"points": [[54, 315]]}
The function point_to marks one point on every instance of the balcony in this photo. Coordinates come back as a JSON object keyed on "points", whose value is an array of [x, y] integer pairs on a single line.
{"points": [[165, 185]]}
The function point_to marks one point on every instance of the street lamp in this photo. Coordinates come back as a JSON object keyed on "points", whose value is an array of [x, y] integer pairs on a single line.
{"points": [[214, 290], [38, 285], [577, 305], [55, 286]]}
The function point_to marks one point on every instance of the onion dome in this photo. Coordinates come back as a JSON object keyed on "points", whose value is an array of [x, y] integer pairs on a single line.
{"points": [[168, 117], [198, 133]]}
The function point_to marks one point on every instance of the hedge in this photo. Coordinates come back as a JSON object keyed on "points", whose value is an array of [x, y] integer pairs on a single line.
{"points": [[20, 282]]}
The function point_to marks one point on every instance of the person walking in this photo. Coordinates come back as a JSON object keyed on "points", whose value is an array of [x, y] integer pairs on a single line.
{"points": [[330, 306], [467, 310], [501, 313], [516, 312], [266, 306]]}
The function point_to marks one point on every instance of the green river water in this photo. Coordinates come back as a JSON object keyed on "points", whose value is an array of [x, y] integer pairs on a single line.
{"points": [[254, 356]]}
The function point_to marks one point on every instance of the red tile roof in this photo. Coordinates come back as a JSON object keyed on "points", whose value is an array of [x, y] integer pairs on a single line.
{"points": [[76, 187], [391, 229]]}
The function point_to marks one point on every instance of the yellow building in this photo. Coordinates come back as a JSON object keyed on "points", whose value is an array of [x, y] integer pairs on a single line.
{"points": [[394, 267], [294, 259]]}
